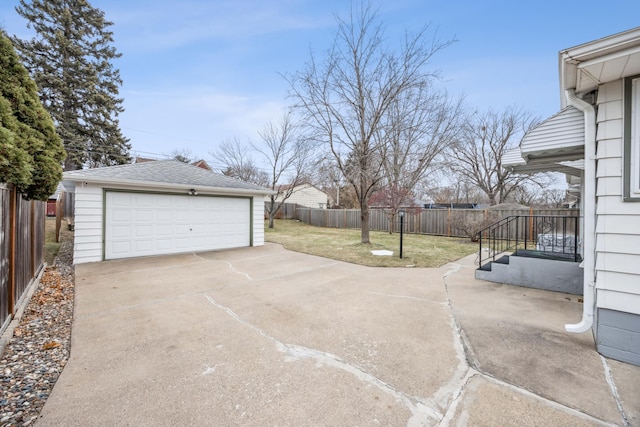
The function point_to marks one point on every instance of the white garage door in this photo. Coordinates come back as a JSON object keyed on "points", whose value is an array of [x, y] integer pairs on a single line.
{"points": [[141, 224]]}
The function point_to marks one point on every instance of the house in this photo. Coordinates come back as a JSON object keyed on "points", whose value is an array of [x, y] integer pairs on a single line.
{"points": [[202, 164], [304, 195], [161, 207], [595, 138], [53, 199]]}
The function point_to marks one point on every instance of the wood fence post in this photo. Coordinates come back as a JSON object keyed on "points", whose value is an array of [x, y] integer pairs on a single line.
{"points": [[13, 196], [448, 222], [531, 223], [32, 235]]}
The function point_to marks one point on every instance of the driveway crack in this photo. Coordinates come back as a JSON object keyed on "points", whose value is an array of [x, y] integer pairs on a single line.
{"points": [[422, 412]]}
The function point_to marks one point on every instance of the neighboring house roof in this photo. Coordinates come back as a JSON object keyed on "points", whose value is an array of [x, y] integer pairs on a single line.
{"points": [[143, 160], [164, 174], [202, 164], [60, 188]]}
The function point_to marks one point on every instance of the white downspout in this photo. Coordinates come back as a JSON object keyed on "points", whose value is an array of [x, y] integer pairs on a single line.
{"points": [[589, 213]]}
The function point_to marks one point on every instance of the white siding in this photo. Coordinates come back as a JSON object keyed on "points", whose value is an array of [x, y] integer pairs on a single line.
{"points": [[563, 130], [306, 195], [88, 224], [619, 301], [258, 221], [618, 223]]}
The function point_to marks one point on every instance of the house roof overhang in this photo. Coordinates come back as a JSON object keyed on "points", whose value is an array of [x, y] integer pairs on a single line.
{"points": [[583, 68], [513, 161], [558, 142]]}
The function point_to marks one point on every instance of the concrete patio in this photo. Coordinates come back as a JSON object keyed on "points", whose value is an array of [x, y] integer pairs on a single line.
{"points": [[264, 336]]}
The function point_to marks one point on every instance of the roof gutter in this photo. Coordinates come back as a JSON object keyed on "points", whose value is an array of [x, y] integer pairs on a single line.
{"points": [[589, 212]]}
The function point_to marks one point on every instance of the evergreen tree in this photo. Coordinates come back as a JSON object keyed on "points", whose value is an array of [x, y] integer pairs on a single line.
{"points": [[31, 152], [70, 59]]}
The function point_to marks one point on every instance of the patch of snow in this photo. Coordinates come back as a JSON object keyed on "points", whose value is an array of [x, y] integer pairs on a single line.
{"points": [[382, 252]]}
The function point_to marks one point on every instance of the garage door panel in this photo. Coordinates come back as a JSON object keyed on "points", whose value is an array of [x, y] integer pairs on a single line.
{"points": [[138, 224]]}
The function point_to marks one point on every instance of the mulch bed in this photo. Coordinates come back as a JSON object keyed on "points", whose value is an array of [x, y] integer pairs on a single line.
{"points": [[34, 358]]}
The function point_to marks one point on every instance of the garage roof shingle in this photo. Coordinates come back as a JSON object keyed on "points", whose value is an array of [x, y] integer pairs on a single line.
{"points": [[161, 172]]}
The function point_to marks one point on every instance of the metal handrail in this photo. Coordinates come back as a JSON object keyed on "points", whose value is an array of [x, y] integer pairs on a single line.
{"points": [[558, 235]]}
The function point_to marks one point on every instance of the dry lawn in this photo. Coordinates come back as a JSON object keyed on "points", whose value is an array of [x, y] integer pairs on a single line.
{"points": [[51, 247], [344, 245]]}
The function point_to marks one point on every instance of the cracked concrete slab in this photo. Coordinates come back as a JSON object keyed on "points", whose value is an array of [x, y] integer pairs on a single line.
{"points": [[256, 336], [489, 403], [517, 335], [264, 336]]}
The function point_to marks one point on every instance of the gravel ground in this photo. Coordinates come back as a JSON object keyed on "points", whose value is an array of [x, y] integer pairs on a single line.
{"points": [[34, 358]]}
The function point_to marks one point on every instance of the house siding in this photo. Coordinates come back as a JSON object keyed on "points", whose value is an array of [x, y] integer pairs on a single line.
{"points": [[305, 195], [88, 224], [565, 129], [617, 237]]}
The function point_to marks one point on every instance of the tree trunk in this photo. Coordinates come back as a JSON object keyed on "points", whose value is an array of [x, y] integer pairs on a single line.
{"points": [[392, 222], [272, 211], [364, 229]]}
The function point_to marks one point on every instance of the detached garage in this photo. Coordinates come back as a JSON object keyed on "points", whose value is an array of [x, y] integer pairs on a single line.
{"points": [[161, 207]]}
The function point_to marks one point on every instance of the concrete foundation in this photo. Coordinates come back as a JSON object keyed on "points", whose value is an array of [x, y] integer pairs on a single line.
{"points": [[618, 335], [548, 274]]}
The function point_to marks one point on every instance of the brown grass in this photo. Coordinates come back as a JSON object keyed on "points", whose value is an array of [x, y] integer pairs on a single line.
{"points": [[51, 247], [344, 245]]}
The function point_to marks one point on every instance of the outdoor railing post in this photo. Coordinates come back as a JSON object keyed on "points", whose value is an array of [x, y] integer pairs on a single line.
{"points": [[575, 239], [517, 233], [480, 249], [494, 244]]}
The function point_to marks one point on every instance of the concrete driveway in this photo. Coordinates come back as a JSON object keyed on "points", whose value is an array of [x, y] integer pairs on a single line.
{"points": [[264, 336]]}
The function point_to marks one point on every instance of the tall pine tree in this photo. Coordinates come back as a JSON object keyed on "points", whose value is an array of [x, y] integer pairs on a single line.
{"points": [[30, 151], [70, 59]]}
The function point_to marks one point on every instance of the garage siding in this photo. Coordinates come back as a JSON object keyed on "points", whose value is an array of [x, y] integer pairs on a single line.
{"points": [[258, 221], [88, 224]]}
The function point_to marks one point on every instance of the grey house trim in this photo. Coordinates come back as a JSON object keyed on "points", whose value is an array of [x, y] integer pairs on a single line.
{"points": [[626, 132]]}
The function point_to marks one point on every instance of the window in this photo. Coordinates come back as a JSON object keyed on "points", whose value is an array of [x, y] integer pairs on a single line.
{"points": [[632, 139]]}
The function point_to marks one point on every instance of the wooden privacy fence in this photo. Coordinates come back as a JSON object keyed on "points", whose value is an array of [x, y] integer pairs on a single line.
{"points": [[439, 222], [21, 249]]}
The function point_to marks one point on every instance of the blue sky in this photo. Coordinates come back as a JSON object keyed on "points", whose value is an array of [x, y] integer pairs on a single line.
{"points": [[197, 72]]}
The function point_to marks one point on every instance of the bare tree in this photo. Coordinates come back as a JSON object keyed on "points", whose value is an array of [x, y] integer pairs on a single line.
{"points": [[287, 152], [346, 95], [327, 176], [233, 159], [477, 154], [183, 155], [420, 124], [456, 192], [553, 198]]}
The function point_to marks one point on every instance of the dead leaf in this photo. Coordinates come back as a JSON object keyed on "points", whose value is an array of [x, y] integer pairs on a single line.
{"points": [[50, 345]]}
